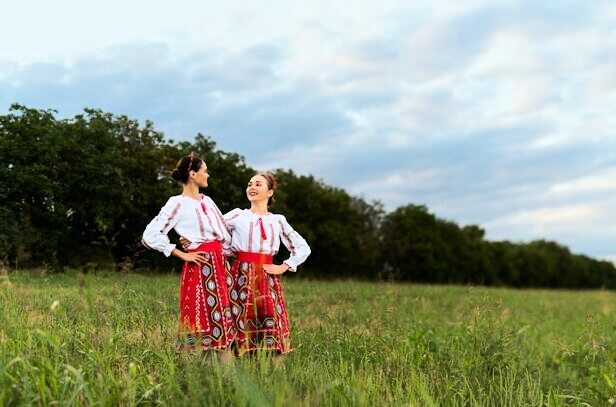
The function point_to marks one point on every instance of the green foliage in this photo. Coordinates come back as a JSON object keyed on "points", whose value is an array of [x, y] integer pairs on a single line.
{"points": [[79, 192], [30, 181], [343, 231], [422, 247], [107, 339]]}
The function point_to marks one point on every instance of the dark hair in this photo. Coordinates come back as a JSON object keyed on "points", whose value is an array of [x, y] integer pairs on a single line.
{"points": [[271, 184], [189, 163]]}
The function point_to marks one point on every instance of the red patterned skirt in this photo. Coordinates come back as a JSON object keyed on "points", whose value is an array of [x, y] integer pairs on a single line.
{"points": [[258, 306], [205, 312]]}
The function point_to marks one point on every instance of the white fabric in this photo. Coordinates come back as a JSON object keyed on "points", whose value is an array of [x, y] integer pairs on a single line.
{"points": [[244, 226], [187, 217]]}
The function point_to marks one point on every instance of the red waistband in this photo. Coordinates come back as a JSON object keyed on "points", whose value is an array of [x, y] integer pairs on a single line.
{"points": [[260, 258], [212, 246]]}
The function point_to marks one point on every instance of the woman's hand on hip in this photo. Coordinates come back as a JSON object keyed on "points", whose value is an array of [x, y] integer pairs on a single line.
{"points": [[185, 242], [275, 269], [193, 257]]}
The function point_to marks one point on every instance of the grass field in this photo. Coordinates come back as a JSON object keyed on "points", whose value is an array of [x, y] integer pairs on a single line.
{"points": [[108, 339]]}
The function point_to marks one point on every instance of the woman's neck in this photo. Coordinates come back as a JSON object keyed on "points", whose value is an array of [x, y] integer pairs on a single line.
{"points": [[259, 208], [191, 191]]}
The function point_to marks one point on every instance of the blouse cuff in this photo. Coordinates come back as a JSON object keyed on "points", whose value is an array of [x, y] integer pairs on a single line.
{"points": [[291, 264], [167, 250]]}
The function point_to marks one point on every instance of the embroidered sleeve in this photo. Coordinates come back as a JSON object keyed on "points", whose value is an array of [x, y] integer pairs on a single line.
{"points": [[155, 234], [297, 245], [231, 218]]}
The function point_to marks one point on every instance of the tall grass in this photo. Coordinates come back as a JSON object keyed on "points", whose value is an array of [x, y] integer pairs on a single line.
{"points": [[108, 339]]}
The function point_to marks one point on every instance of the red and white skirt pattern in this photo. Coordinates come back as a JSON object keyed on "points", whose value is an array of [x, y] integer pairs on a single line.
{"points": [[205, 312], [258, 306]]}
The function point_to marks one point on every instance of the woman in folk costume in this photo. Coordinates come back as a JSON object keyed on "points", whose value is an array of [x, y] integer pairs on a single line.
{"points": [[205, 314], [257, 300]]}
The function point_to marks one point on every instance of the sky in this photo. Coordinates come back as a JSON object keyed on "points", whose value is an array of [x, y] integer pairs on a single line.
{"points": [[500, 114]]}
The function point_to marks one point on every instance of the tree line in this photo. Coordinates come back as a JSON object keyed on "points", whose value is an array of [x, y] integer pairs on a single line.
{"points": [[78, 193]]}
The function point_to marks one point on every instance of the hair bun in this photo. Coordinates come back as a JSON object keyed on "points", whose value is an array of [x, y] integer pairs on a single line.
{"points": [[185, 166]]}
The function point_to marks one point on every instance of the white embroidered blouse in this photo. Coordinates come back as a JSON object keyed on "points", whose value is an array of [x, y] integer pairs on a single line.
{"points": [[198, 220], [262, 234]]}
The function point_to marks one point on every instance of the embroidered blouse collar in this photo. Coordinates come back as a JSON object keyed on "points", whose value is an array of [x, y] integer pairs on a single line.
{"points": [[259, 214]]}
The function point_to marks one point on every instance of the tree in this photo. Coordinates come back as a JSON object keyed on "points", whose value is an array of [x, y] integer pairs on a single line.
{"points": [[80, 191], [341, 230]]}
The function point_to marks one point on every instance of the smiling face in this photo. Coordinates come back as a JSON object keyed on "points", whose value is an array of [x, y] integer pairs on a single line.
{"points": [[258, 189]]}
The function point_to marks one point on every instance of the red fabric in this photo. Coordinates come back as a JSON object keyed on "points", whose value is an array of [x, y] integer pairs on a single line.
{"points": [[260, 223], [203, 207], [258, 306], [205, 314], [260, 258]]}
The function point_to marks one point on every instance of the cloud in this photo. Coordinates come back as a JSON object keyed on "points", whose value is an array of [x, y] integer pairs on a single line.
{"points": [[586, 185], [540, 218]]}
